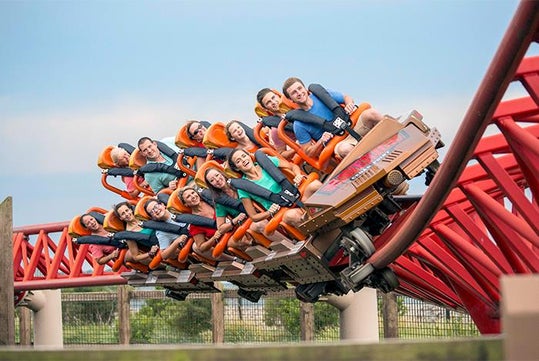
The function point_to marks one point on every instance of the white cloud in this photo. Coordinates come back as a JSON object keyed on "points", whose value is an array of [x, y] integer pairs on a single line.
{"points": [[70, 141]]}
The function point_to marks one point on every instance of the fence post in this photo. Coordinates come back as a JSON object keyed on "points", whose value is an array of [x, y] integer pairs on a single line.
{"points": [[7, 304], [218, 315], [25, 328], [307, 321], [124, 311], [390, 315]]}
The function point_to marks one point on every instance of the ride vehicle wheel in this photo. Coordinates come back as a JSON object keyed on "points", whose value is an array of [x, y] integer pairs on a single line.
{"points": [[359, 244], [385, 280], [356, 276]]}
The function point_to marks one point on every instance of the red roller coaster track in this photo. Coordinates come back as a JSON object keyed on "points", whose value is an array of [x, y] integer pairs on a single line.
{"points": [[476, 222]]}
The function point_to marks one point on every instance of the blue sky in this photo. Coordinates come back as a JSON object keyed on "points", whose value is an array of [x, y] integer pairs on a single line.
{"points": [[77, 76]]}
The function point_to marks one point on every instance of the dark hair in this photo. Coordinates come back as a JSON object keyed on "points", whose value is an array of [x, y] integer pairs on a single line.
{"points": [[117, 206], [261, 94], [188, 126], [142, 140], [215, 191], [231, 164], [227, 129], [148, 201], [81, 222], [288, 82], [181, 191]]}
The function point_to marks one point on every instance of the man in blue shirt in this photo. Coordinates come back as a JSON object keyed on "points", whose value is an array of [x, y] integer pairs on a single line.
{"points": [[312, 137]]}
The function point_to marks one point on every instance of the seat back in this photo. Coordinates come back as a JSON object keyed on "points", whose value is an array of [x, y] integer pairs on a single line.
{"points": [[140, 212], [76, 229], [174, 204], [215, 137], [199, 176], [112, 223], [104, 160]]}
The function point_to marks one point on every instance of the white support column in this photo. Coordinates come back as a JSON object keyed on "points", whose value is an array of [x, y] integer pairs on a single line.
{"points": [[47, 307], [358, 315]]}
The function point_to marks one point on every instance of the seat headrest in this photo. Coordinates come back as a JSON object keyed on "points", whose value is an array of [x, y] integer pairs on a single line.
{"points": [[182, 139], [104, 160], [140, 212], [199, 176], [112, 223], [76, 229], [175, 205], [136, 160], [215, 137]]}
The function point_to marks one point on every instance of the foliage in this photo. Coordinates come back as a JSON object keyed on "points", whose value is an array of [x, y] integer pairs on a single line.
{"points": [[186, 319], [90, 334], [89, 312], [286, 313], [402, 309]]}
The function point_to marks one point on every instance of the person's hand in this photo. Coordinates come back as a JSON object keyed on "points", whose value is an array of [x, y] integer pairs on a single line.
{"points": [[239, 219], [298, 179], [326, 137], [274, 208], [173, 184], [115, 253], [350, 108], [182, 239]]}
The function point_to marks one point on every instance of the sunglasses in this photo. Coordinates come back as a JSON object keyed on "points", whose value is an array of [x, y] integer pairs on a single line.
{"points": [[196, 132]]}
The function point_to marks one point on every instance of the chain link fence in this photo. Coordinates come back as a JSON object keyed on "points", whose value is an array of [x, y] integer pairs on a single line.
{"points": [[92, 318]]}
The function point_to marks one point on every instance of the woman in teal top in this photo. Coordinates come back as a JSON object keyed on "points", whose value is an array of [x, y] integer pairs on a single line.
{"points": [[217, 181], [137, 252], [242, 162]]}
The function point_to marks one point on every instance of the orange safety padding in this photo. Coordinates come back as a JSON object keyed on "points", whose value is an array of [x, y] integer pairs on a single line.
{"points": [[175, 205], [221, 245], [104, 160], [176, 264], [138, 185], [186, 250], [239, 253], [199, 176], [156, 260], [261, 136], [120, 260], [76, 229], [187, 170], [203, 259], [138, 266], [182, 139], [140, 212], [276, 221], [136, 159], [121, 192], [112, 223], [215, 137], [259, 238]]}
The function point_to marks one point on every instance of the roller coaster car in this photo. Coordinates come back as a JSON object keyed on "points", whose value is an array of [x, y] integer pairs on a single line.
{"points": [[355, 203]]}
